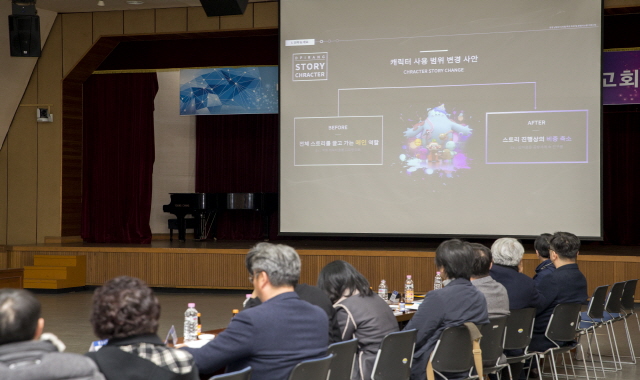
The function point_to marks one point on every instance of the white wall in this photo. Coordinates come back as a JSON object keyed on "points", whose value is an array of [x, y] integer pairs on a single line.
{"points": [[174, 170]]}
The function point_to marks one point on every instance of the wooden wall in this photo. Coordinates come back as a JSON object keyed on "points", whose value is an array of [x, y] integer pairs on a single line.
{"points": [[37, 197], [224, 268]]}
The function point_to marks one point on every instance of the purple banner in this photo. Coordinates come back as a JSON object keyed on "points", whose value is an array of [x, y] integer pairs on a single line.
{"points": [[620, 77]]}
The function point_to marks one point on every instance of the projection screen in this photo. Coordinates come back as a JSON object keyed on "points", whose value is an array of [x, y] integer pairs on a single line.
{"points": [[440, 117]]}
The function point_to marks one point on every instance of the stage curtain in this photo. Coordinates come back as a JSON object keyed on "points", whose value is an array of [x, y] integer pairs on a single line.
{"points": [[118, 155], [621, 165], [238, 154]]}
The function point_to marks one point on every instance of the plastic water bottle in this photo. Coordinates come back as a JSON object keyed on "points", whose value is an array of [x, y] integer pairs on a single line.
{"points": [[437, 283], [383, 290], [401, 305], [190, 323], [408, 290]]}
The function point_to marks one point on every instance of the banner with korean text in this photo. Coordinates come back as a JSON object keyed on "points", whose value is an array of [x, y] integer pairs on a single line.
{"points": [[620, 76]]}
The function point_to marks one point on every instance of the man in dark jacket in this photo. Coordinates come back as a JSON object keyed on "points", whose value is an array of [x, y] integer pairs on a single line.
{"points": [[545, 268], [26, 353]]}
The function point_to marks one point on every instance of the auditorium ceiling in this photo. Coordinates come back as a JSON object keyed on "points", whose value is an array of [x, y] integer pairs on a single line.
{"points": [[74, 6]]}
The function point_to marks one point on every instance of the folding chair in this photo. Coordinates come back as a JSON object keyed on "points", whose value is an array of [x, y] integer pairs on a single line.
{"points": [[492, 344], [592, 319], [628, 306], [395, 356], [613, 313], [243, 374], [453, 353], [314, 369], [344, 354], [518, 336], [561, 331]]}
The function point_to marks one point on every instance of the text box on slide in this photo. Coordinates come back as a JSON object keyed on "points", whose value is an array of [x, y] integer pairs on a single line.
{"points": [[537, 137], [339, 140]]}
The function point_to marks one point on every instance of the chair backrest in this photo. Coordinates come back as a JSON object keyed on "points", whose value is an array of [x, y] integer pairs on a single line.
{"points": [[563, 323], [243, 374], [519, 329], [314, 369], [395, 356], [453, 351], [595, 310], [628, 295], [614, 299], [492, 342], [344, 354]]}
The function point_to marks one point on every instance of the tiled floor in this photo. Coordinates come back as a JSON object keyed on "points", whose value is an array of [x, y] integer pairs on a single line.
{"points": [[67, 316]]}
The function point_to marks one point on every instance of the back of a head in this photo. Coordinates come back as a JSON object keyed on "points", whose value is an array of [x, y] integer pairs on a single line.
{"points": [[340, 278], [565, 244], [280, 262], [541, 245], [456, 258], [124, 306], [481, 260], [507, 251], [19, 314]]}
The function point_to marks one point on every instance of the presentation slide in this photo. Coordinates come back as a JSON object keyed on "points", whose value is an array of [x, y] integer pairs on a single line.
{"points": [[446, 117]]}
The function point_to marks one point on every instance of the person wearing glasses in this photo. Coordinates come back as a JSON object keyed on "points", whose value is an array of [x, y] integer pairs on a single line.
{"points": [[277, 335]]}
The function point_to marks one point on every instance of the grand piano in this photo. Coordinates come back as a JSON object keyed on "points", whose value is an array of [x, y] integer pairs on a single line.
{"points": [[204, 207]]}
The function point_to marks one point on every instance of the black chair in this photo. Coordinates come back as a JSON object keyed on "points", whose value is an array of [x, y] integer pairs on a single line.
{"points": [[614, 313], [562, 332], [628, 307], [492, 344], [244, 374], [518, 336], [314, 369], [344, 355], [395, 356], [592, 319], [453, 353]]}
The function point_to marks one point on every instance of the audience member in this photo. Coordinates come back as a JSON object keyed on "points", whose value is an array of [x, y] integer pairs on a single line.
{"points": [[126, 312], [507, 267], [564, 285], [28, 354], [453, 305], [541, 245], [360, 313], [314, 296], [275, 336], [494, 292]]}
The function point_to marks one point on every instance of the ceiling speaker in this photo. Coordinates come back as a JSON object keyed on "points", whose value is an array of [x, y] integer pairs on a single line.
{"points": [[224, 7]]}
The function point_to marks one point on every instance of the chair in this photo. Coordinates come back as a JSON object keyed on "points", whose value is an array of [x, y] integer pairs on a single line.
{"points": [[628, 306], [243, 374], [492, 344], [561, 331], [314, 369], [592, 319], [344, 355], [395, 356], [453, 352], [518, 335], [613, 313]]}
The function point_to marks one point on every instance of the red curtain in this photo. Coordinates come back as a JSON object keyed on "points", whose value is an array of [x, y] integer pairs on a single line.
{"points": [[118, 155], [238, 154]]}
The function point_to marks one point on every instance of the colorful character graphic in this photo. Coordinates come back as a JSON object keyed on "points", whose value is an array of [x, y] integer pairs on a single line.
{"points": [[436, 126]]}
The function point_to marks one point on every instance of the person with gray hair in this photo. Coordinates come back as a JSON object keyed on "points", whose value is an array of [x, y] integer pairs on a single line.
{"points": [[275, 336], [507, 270], [28, 354]]}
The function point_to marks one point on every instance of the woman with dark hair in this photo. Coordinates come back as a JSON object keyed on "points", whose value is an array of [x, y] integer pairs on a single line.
{"points": [[453, 305], [360, 313], [126, 312]]}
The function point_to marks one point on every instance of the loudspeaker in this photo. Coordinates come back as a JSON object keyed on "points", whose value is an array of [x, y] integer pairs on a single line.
{"points": [[24, 35], [224, 7]]}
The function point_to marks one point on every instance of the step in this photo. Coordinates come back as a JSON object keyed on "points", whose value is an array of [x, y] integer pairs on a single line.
{"points": [[45, 273], [40, 284], [58, 260]]}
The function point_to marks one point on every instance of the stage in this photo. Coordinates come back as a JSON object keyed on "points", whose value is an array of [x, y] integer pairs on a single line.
{"points": [[220, 264]]}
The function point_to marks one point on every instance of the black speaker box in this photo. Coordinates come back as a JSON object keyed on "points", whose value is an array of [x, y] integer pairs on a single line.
{"points": [[24, 35], [224, 7]]}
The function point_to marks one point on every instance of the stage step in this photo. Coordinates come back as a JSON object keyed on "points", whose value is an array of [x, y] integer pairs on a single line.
{"points": [[56, 272]]}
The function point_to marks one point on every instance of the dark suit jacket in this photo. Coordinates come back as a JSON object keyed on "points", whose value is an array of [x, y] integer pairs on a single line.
{"points": [[271, 338], [520, 287]]}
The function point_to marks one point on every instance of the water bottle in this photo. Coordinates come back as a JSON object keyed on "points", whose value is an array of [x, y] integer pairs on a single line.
{"points": [[383, 291], [190, 323], [408, 290], [437, 283], [401, 306]]}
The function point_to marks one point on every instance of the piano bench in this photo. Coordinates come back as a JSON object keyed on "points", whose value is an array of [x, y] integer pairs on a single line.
{"points": [[189, 223]]}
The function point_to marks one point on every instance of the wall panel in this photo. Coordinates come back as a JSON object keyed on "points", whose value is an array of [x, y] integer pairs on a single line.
{"points": [[3, 199], [244, 21], [107, 24], [171, 20], [77, 38], [265, 14], [140, 21], [197, 20]]}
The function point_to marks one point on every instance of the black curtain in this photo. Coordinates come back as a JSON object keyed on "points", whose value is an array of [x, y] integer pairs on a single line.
{"points": [[238, 154], [118, 155]]}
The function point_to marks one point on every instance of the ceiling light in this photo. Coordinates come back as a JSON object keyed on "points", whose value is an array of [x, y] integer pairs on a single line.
{"points": [[135, 2], [101, 3]]}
